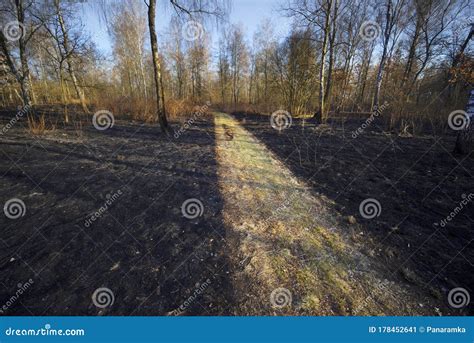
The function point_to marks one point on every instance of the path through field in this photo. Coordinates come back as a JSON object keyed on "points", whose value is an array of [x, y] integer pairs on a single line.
{"points": [[290, 253]]}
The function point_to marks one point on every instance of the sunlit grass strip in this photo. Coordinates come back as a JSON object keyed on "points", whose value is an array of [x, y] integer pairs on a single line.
{"points": [[288, 238]]}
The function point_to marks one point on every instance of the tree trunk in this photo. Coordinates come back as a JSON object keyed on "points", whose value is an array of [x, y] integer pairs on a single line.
{"points": [[387, 31], [332, 42], [411, 54], [69, 63], [320, 116], [157, 68], [22, 77]]}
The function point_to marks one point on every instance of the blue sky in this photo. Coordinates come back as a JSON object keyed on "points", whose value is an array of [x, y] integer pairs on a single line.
{"points": [[248, 13]]}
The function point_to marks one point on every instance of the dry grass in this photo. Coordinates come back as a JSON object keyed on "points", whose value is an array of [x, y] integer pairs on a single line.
{"points": [[38, 126]]}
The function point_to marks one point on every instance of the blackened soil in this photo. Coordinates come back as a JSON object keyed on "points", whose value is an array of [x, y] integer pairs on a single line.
{"points": [[153, 259]]}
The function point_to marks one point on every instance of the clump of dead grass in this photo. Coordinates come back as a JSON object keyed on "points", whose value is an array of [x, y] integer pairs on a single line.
{"points": [[38, 126]]}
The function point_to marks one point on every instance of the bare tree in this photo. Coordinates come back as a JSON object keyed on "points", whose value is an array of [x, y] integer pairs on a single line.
{"points": [[223, 66], [25, 27], [196, 8], [158, 77], [68, 51], [393, 11], [238, 54]]}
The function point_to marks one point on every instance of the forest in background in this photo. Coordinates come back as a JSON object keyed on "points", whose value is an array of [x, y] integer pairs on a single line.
{"points": [[410, 61]]}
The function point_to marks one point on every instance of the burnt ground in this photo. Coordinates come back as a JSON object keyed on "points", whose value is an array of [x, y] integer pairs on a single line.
{"points": [[417, 180], [142, 248], [155, 260]]}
